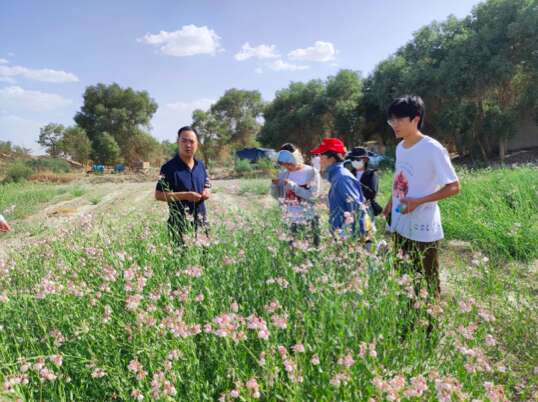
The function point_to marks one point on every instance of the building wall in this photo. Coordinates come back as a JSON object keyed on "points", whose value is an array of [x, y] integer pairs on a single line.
{"points": [[526, 135]]}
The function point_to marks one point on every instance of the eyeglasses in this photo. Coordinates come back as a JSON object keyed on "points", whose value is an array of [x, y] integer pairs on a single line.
{"points": [[395, 121]]}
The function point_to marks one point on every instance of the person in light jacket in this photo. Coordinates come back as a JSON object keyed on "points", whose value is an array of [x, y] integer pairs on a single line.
{"points": [[297, 189]]}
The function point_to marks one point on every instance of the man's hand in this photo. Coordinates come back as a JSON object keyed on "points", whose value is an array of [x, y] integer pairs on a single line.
{"points": [[388, 209], [410, 205], [275, 181], [192, 196], [205, 194]]}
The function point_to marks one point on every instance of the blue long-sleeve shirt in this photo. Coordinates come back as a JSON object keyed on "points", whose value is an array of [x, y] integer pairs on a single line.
{"points": [[345, 199]]}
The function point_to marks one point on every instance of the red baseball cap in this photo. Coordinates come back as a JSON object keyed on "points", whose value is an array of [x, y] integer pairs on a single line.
{"points": [[330, 144]]}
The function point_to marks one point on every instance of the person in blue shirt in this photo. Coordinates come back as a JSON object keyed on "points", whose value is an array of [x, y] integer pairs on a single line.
{"points": [[184, 184], [348, 215]]}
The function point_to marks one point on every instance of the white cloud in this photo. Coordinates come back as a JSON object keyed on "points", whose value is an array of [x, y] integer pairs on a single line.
{"points": [[19, 98], [321, 51], [20, 131], [190, 40], [44, 75], [203, 104], [258, 52], [279, 65], [174, 115], [9, 80], [3, 61]]}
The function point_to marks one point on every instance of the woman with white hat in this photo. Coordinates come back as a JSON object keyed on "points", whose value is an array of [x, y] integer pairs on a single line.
{"points": [[297, 188]]}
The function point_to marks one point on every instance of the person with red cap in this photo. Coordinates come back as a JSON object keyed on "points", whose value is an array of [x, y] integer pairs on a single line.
{"points": [[348, 214]]}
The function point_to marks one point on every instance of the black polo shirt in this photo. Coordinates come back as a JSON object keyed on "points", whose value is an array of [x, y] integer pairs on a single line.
{"points": [[176, 176]]}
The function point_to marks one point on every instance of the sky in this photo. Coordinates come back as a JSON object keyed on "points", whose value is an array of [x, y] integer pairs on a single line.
{"points": [[186, 54]]}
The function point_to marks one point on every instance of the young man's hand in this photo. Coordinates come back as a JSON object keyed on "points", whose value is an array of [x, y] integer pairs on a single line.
{"points": [[410, 205], [205, 194], [275, 181], [192, 196]]}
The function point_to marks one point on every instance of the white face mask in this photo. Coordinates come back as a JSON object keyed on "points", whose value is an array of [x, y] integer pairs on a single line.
{"points": [[358, 165]]}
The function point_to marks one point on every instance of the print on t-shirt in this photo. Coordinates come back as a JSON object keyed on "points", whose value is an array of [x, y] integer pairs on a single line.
{"points": [[401, 186], [291, 198]]}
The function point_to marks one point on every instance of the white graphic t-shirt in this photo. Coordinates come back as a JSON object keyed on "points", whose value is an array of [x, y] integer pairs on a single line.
{"points": [[420, 171], [296, 207]]}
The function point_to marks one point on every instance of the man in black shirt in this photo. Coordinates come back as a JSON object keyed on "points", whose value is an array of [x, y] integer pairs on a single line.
{"points": [[184, 185]]}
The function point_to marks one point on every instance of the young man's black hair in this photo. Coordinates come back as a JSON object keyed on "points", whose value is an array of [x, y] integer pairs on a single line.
{"points": [[187, 128], [407, 106]]}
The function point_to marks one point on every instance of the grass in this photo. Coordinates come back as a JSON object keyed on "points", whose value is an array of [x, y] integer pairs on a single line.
{"points": [[23, 199], [254, 186], [115, 311], [496, 211]]}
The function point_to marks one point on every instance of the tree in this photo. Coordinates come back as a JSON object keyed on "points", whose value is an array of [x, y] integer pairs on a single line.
{"points": [[239, 111], [343, 96], [76, 144], [49, 137], [212, 135], [115, 110], [141, 147], [298, 114], [106, 150]]}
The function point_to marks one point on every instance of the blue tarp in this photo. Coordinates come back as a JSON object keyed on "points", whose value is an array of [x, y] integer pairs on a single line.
{"points": [[255, 154]]}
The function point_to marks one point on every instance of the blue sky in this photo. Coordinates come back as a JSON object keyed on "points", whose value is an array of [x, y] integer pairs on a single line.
{"points": [[187, 53]]}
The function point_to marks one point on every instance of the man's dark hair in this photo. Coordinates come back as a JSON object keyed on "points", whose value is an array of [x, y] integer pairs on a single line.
{"points": [[288, 146], [407, 106], [187, 128], [335, 155]]}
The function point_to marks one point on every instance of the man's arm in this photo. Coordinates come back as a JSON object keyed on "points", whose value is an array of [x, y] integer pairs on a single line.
{"points": [[448, 190], [169, 196]]}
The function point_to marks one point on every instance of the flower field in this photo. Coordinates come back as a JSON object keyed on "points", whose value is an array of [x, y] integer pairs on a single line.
{"points": [[107, 309]]}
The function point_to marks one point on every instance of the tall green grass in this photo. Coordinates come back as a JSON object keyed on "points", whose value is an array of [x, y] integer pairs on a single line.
{"points": [[113, 311], [496, 210], [23, 199]]}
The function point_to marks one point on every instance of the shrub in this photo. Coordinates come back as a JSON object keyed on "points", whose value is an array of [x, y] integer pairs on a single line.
{"points": [[17, 171], [53, 165], [243, 166]]}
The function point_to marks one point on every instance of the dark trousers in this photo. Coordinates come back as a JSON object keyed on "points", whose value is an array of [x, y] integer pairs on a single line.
{"points": [[424, 258], [180, 224]]}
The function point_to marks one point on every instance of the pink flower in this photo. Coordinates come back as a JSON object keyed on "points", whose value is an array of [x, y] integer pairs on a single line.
{"points": [[98, 373], [346, 361], [56, 360], [137, 395], [339, 379], [315, 360], [298, 348], [280, 321], [135, 366], [490, 340], [47, 374], [194, 272]]}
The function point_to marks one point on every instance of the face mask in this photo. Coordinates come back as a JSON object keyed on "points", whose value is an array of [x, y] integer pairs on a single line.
{"points": [[359, 165]]}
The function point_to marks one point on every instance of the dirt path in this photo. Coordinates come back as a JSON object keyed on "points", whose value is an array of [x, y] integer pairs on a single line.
{"points": [[103, 199]]}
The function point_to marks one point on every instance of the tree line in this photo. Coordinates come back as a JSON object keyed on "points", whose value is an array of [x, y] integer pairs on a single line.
{"points": [[477, 75]]}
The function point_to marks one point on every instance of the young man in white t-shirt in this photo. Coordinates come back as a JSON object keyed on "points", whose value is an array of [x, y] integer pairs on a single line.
{"points": [[423, 175]]}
